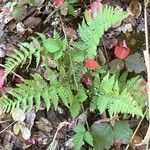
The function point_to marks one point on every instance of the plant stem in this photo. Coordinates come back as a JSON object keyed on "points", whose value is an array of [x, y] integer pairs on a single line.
{"points": [[147, 61], [74, 76], [77, 88]]}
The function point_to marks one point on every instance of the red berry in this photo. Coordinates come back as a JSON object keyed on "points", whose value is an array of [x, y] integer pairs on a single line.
{"points": [[91, 64], [59, 3], [121, 52]]}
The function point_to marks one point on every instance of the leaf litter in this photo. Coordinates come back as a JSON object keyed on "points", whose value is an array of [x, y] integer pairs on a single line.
{"points": [[36, 130]]}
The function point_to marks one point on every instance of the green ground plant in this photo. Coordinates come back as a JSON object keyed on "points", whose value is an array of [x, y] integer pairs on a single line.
{"points": [[108, 93]]}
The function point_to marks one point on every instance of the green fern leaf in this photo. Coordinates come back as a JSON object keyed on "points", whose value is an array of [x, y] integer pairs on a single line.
{"points": [[75, 108], [54, 96], [110, 97], [24, 52], [62, 94], [92, 30]]}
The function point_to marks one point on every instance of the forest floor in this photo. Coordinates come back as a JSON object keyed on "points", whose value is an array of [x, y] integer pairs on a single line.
{"points": [[49, 130]]}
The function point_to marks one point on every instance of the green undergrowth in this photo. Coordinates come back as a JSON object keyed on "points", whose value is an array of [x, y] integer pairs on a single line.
{"points": [[112, 94]]}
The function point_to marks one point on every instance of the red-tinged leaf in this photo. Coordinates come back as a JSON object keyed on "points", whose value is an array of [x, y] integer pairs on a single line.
{"points": [[143, 83], [6, 11], [121, 51], [82, 74], [59, 3], [87, 81], [91, 64], [1, 78], [94, 8]]}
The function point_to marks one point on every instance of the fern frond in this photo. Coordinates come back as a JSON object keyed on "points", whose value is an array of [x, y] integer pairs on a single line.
{"points": [[32, 92], [91, 30], [126, 103], [24, 52], [116, 100]]}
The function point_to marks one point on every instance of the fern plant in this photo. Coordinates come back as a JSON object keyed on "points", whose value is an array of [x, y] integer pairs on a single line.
{"points": [[108, 95], [20, 55], [92, 29], [27, 50], [31, 92]]}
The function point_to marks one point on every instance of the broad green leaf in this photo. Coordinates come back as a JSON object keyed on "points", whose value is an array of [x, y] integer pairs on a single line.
{"points": [[71, 10], [135, 63], [88, 138], [51, 45], [103, 136], [58, 55], [79, 129], [122, 131], [78, 141], [81, 95], [78, 56]]}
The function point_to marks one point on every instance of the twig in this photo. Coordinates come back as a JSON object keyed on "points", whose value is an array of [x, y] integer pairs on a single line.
{"points": [[19, 76], [63, 27], [147, 60], [58, 128], [5, 121], [49, 16], [136, 129], [7, 127]]}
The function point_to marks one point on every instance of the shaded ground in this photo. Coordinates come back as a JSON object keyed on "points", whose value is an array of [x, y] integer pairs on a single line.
{"points": [[44, 17]]}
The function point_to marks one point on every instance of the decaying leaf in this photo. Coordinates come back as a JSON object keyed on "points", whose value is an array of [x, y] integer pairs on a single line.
{"points": [[25, 132], [91, 64], [135, 8], [71, 33], [94, 8], [30, 118], [64, 8], [18, 115], [1, 78], [32, 22], [20, 127], [44, 125], [20, 27], [16, 128], [59, 3]]}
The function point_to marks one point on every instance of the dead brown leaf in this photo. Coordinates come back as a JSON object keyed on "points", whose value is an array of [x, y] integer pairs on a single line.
{"points": [[32, 22], [43, 125], [71, 33]]}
